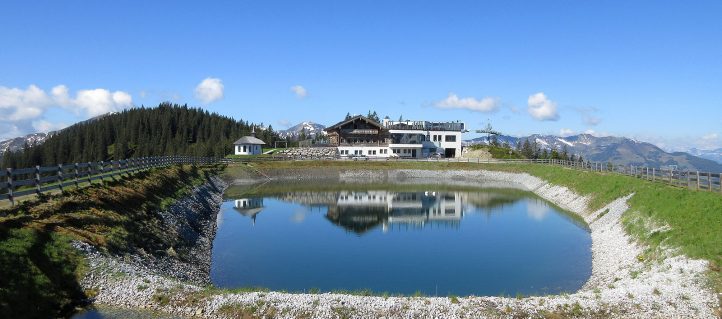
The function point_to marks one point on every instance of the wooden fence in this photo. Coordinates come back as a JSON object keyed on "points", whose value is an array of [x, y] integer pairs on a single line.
{"points": [[38, 180], [704, 181]]}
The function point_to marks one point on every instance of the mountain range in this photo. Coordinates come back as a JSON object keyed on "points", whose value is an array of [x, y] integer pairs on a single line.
{"points": [[310, 129], [16, 144], [715, 155], [618, 150]]}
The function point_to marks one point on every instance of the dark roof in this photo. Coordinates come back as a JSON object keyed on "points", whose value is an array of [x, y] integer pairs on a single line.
{"points": [[249, 140], [368, 120]]}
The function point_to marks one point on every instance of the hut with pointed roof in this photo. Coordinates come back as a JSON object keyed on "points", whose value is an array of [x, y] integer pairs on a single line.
{"points": [[248, 145]]}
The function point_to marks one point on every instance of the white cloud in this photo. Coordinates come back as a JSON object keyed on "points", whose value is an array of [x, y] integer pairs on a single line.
{"points": [[46, 126], [100, 101], [486, 104], [541, 108], [300, 91], [22, 110], [22, 104], [711, 137], [566, 132], [209, 90]]}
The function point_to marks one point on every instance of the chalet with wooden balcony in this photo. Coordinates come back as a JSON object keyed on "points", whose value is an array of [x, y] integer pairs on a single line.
{"points": [[358, 136]]}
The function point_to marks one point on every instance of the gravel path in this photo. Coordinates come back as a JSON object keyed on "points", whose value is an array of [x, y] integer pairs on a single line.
{"points": [[621, 286]]}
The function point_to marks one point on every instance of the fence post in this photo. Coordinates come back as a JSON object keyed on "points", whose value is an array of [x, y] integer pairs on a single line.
{"points": [[11, 186], [75, 178], [720, 182], [37, 180], [688, 179], [90, 173], [60, 177], [102, 170], [653, 172], [697, 180], [709, 181]]}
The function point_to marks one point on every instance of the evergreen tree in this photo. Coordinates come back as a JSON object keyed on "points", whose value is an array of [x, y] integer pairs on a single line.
{"points": [[527, 150], [565, 153]]}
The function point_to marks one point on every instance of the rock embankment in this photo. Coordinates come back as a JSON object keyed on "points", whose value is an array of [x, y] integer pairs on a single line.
{"points": [[621, 285], [189, 223], [308, 152]]}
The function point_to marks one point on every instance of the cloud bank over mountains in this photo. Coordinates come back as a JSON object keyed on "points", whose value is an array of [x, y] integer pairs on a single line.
{"points": [[23, 109]]}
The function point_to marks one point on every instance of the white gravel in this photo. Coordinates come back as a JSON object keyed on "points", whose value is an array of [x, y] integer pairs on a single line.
{"points": [[621, 286]]}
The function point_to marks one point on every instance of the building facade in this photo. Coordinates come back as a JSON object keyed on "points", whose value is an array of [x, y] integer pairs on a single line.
{"points": [[248, 145], [360, 136], [421, 139]]}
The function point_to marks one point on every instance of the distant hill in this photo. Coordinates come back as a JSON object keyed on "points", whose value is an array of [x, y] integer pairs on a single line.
{"points": [[618, 150], [168, 129], [310, 129], [715, 155]]}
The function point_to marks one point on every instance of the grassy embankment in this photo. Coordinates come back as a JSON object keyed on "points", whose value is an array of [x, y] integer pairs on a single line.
{"points": [[498, 152], [39, 270], [694, 217]]}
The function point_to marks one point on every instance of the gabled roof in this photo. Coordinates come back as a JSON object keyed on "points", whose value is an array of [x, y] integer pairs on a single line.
{"points": [[249, 140], [357, 117]]}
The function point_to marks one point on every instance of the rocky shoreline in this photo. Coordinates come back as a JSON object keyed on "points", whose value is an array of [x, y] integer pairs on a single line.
{"points": [[621, 285]]}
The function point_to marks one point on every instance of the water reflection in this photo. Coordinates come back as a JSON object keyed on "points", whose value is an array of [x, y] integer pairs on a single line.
{"points": [[400, 239], [249, 207], [362, 211]]}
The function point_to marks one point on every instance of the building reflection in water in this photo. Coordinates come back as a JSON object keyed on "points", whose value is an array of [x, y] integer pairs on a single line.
{"points": [[249, 207], [362, 211]]}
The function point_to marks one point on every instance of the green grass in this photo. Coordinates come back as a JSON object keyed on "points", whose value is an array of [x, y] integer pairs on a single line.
{"points": [[36, 260], [498, 152], [39, 273]]}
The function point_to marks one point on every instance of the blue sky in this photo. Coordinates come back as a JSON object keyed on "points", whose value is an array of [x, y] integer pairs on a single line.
{"points": [[644, 69]]}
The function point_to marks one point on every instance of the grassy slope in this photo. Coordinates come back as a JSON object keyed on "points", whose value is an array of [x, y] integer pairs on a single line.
{"points": [[498, 152], [36, 260], [695, 218]]}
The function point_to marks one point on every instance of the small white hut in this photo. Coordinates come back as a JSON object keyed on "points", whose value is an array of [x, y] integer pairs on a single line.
{"points": [[248, 145]]}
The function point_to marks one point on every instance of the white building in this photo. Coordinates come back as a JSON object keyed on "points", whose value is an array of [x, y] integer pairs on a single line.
{"points": [[359, 136], [420, 139], [248, 145]]}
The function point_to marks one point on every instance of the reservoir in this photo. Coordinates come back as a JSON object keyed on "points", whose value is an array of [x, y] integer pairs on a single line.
{"points": [[394, 239]]}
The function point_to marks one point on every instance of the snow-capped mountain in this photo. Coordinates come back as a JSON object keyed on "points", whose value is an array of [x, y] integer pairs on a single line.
{"points": [[16, 144], [715, 155], [310, 129], [618, 150]]}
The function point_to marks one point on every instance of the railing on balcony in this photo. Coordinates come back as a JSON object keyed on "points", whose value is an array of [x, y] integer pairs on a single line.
{"points": [[360, 131]]}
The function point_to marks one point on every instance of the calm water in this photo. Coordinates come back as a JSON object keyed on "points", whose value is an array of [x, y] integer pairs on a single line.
{"points": [[436, 242]]}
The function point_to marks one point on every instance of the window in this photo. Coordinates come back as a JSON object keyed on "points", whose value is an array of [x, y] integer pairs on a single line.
{"points": [[451, 138], [244, 148]]}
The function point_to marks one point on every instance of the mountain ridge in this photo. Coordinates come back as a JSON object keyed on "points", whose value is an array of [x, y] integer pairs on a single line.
{"points": [[310, 128], [617, 150]]}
